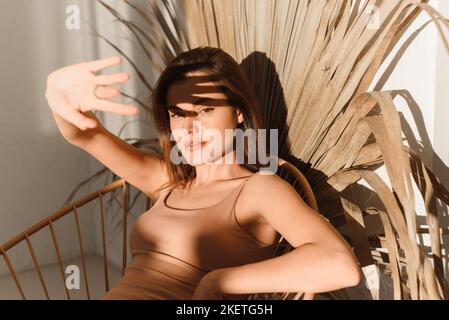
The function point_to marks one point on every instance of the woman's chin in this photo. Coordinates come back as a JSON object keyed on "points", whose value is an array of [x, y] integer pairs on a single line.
{"points": [[198, 159], [201, 156]]}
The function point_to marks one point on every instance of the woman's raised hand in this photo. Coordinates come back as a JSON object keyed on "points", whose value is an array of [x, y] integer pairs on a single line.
{"points": [[75, 89]]}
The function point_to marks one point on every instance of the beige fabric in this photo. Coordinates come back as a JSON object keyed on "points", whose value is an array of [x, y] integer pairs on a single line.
{"points": [[172, 248]]}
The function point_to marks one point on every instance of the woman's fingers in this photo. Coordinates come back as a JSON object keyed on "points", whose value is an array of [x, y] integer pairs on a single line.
{"points": [[105, 105], [105, 92], [108, 79], [80, 120], [97, 65]]}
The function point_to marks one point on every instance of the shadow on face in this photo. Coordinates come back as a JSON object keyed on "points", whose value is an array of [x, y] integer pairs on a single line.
{"points": [[202, 120]]}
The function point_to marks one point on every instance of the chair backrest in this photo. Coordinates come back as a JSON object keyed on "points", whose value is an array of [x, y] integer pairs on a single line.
{"points": [[287, 171], [47, 225]]}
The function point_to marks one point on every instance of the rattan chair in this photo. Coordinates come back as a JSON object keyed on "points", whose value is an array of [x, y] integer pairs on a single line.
{"points": [[286, 169]]}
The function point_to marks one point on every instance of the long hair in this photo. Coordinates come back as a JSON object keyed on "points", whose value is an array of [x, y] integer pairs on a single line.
{"points": [[234, 84]]}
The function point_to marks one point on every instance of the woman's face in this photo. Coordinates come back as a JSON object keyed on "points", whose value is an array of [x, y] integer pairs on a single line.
{"points": [[201, 119]]}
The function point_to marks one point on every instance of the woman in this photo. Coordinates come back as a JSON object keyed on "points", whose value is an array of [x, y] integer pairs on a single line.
{"points": [[215, 221]]}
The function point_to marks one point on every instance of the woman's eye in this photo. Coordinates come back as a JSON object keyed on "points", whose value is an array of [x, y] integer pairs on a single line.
{"points": [[176, 115], [207, 110]]}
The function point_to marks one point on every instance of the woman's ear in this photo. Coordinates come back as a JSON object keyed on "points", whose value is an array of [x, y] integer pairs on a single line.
{"points": [[240, 118]]}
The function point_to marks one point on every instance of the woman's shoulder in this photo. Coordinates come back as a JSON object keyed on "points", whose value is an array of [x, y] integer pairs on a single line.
{"points": [[261, 188], [262, 181], [259, 192]]}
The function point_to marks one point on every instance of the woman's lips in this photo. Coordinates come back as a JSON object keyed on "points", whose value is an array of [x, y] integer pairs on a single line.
{"points": [[195, 145]]}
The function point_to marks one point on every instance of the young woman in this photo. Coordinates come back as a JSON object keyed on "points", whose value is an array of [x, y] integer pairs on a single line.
{"points": [[215, 220]]}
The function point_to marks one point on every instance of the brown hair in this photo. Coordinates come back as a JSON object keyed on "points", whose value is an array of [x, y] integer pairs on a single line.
{"points": [[239, 92]]}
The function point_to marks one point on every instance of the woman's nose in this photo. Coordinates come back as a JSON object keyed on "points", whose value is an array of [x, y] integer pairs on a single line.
{"points": [[192, 124]]}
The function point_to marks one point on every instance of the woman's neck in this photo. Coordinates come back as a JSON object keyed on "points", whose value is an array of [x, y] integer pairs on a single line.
{"points": [[221, 170]]}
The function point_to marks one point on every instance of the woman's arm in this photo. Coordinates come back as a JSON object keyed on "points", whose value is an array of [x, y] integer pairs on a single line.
{"points": [[144, 170], [70, 95], [320, 261], [310, 268]]}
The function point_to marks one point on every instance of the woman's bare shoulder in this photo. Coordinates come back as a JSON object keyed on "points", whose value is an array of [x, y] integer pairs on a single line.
{"points": [[264, 189], [262, 181], [258, 192], [258, 188]]}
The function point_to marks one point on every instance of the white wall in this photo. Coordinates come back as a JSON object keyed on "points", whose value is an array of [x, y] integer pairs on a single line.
{"points": [[38, 167]]}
